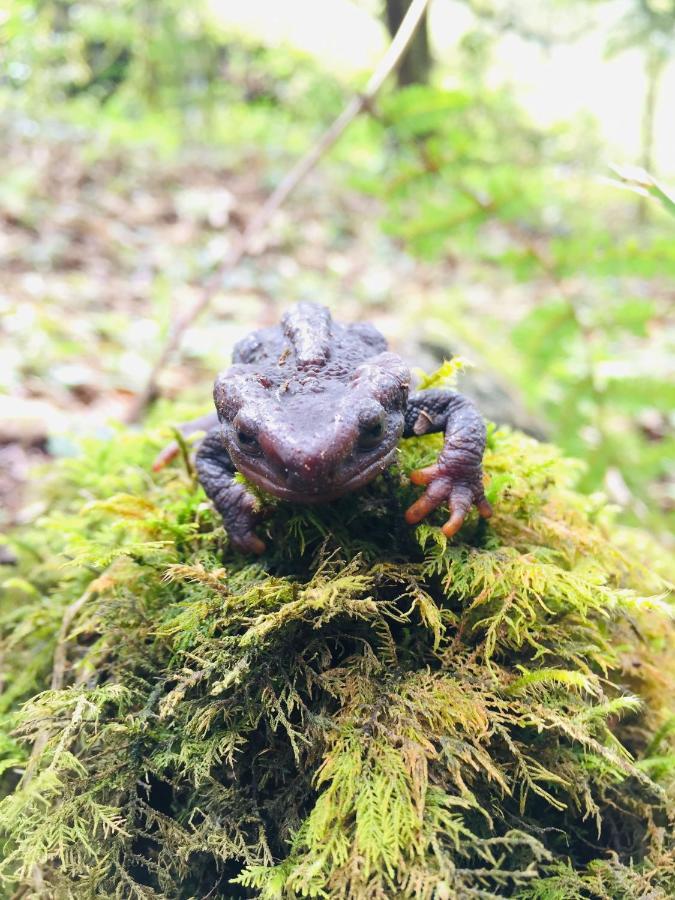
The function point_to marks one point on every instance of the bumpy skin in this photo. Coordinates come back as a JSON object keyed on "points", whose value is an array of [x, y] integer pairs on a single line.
{"points": [[312, 410]]}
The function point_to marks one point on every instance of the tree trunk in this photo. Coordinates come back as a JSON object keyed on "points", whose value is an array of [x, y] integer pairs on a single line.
{"points": [[417, 62]]}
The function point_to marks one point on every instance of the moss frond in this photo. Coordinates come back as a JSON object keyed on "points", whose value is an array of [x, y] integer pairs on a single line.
{"points": [[368, 711]]}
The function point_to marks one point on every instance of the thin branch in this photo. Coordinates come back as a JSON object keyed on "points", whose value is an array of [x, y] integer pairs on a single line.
{"points": [[259, 222]]}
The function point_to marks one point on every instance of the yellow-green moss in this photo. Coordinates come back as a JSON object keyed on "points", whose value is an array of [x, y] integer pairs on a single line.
{"points": [[368, 711]]}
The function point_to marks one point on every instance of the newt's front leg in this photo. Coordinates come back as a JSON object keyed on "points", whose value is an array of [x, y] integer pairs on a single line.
{"points": [[457, 476], [235, 504]]}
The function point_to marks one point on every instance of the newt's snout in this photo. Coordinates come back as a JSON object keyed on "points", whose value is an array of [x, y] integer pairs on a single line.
{"points": [[317, 461], [304, 465]]}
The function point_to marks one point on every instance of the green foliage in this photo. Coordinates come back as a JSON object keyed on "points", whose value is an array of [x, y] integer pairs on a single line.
{"points": [[139, 71], [452, 167], [601, 374], [469, 178], [366, 711], [107, 49]]}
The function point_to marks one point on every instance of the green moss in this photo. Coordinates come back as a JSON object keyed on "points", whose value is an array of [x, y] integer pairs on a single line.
{"points": [[368, 711]]}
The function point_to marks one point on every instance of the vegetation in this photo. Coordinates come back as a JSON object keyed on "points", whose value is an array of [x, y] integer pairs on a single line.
{"points": [[588, 348], [369, 711]]}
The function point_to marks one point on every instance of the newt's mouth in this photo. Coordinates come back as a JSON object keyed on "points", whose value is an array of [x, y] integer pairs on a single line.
{"points": [[319, 492]]}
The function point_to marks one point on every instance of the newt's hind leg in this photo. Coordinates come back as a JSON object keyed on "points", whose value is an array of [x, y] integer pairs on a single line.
{"points": [[456, 478], [234, 502], [171, 451]]}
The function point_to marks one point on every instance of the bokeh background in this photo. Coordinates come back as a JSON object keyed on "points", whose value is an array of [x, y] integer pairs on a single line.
{"points": [[474, 211]]}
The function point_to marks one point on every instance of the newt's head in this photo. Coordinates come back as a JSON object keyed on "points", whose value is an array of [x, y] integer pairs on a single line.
{"points": [[309, 433]]}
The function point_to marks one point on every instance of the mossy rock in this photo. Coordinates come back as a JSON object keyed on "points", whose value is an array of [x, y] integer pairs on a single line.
{"points": [[368, 711]]}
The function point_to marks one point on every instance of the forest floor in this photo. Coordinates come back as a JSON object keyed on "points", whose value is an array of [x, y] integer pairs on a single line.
{"points": [[102, 247]]}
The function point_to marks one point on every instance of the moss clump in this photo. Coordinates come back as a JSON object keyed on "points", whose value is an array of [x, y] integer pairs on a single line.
{"points": [[366, 712]]}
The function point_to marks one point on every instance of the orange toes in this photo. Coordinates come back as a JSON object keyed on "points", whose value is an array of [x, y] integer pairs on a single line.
{"points": [[484, 508], [248, 543], [420, 509], [424, 476], [440, 490], [453, 524], [257, 546]]}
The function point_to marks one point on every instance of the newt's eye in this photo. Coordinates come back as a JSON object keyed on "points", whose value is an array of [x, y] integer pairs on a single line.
{"points": [[247, 441], [371, 432]]}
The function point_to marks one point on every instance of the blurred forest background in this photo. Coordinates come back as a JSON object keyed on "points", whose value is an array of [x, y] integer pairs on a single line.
{"points": [[472, 211]]}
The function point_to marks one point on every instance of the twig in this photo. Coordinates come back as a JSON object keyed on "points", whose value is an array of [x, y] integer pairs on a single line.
{"points": [[258, 223]]}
